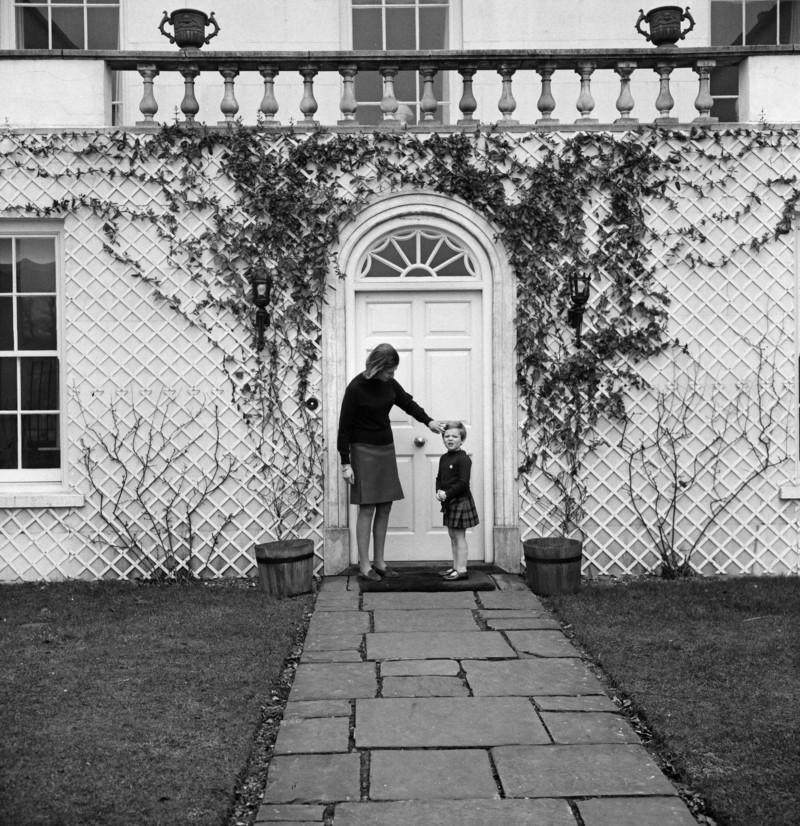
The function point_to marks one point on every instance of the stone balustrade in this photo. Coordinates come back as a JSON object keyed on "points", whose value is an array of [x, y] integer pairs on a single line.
{"points": [[574, 69]]}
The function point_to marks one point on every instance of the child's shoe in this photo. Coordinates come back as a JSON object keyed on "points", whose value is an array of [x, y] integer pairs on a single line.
{"points": [[454, 575]]}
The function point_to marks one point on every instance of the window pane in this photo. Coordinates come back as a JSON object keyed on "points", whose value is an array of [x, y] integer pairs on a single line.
{"points": [[368, 86], [400, 29], [36, 265], [369, 115], [790, 22], [725, 110], [41, 447], [726, 23], [366, 2], [8, 443], [367, 29], [32, 29], [405, 86], [39, 383], [103, 27], [36, 323], [5, 265], [67, 28], [725, 81], [761, 23], [6, 324], [433, 28], [8, 384], [103, 2]]}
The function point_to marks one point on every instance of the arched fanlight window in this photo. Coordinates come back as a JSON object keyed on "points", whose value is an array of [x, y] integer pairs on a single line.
{"points": [[418, 253]]}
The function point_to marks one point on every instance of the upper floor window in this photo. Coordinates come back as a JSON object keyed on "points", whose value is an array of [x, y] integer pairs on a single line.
{"points": [[747, 23], [418, 253], [67, 24], [399, 24], [30, 420]]}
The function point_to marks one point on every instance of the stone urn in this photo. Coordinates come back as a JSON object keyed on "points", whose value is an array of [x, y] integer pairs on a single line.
{"points": [[189, 26], [665, 25]]}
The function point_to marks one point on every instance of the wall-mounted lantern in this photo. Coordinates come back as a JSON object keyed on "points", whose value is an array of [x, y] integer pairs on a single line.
{"points": [[262, 289], [579, 286]]}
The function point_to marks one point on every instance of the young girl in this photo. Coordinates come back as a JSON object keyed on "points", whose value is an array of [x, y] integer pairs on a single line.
{"points": [[452, 490]]}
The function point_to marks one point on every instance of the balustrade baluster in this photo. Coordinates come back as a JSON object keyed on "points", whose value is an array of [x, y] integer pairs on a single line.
{"points": [[348, 104], [546, 102], [148, 107], [269, 104], [229, 106], [664, 101], [189, 105], [428, 105], [308, 105], [507, 104], [625, 104], [389, 103], [467, 104], [704, 101], [585, 102]]}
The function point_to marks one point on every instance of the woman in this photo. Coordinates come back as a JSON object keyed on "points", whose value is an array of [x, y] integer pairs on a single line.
{"points": [[366, 448]]}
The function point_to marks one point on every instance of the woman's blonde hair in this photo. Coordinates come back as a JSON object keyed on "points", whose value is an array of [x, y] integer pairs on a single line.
{"points": [[383, 357], [459, 426]]}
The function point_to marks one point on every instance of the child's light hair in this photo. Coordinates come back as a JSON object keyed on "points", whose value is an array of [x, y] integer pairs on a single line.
{"points": [[459, 426], [383, 357]]}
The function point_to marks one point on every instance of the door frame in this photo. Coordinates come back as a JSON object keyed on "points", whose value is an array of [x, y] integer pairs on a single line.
{"points": [[385, 213]]}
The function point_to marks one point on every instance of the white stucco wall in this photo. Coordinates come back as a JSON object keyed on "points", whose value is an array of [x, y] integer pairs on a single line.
{"points": [[768, 90]]}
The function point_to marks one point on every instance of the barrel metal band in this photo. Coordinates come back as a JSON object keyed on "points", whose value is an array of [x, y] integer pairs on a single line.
{"points": [[298, 558], [555, 561]]}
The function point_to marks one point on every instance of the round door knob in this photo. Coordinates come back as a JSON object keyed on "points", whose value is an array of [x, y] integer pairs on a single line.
{"points": [[419, 441]]}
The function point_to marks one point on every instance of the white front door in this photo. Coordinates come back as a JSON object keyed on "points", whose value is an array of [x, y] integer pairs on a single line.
{"points": [[438, 335]]}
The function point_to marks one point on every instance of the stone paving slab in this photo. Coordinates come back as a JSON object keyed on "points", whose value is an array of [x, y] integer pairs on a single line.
{"points": [[526, 678], [314, 778], [509, 582], [631, 811], [579, 771], [588, 727], [337, 605], [289, 813], [334, 583], [542, 644], [588, 702], [456, 813], [318, 708], [523, 623], [314, 735], [510, 599], [512, 613], [427, 686], [332, 642], [330, 657], [414, 600], [446, 722], [415, 668], [334, 681], [448, 774], [418, 645], [338, 622], [454, 619]]}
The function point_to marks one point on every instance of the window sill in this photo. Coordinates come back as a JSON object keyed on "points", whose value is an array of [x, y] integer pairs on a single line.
{"points": [[42, 499], [789, 492]]}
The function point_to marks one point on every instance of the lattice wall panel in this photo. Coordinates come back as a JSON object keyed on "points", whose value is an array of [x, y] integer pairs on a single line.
{"points": [[124, 347]]}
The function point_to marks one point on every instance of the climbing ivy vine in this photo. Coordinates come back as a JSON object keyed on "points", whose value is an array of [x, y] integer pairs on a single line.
{"points": [[277, 203]]}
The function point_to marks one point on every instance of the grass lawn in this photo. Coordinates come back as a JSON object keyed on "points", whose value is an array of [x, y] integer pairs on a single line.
{"points": [[711, 666], [135, 704]]}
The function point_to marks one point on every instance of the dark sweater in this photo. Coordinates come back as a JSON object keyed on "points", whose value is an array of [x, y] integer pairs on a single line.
{"points": [[364, 418], [454, 472]]}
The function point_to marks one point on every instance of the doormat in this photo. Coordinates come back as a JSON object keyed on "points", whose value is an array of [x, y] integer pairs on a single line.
{"points": [[428, 580]]}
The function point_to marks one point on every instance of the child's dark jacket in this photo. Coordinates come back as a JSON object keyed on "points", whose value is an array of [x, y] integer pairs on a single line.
{"points": [[454, 472]]}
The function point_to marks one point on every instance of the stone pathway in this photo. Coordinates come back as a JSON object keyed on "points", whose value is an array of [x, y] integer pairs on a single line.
{"points": [[454, 708]]}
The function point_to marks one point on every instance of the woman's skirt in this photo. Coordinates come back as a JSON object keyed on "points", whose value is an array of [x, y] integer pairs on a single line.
{"points": [[461, 512], [375, 471]]}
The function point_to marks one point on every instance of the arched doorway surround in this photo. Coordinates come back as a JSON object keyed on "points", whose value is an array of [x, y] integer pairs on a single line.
{"points": [[449, 215]]}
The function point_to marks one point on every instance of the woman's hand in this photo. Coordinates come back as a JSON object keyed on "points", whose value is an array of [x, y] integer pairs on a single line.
{"points": [[348, 475], [436, 427]]}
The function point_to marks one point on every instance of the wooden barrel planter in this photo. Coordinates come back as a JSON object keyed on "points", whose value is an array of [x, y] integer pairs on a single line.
{"points": [[286, 568], [553, 565]]}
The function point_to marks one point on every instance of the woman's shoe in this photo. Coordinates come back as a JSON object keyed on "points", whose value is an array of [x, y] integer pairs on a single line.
{"points": [[385, 572], [370, 576], [456, 575]]}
